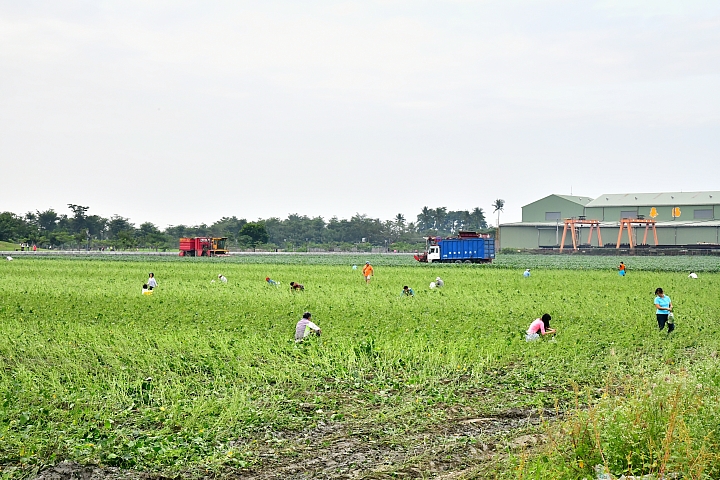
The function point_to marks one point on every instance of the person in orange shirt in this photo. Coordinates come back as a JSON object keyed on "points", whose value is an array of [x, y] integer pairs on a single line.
{"points": [[621, 269], [367, 272]]}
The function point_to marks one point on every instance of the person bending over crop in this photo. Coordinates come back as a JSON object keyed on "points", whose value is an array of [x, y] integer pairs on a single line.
{"points": [[439, 282], [367, 272], [663, 311], [526, 273], [305, 327], [222, 278], [540, 326], [270, 281], [296, 287], [146, 290], [407, 292]]}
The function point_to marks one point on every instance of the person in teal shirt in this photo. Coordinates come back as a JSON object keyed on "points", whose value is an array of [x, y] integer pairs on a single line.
{"points": [[407, 292], [663, 306]]}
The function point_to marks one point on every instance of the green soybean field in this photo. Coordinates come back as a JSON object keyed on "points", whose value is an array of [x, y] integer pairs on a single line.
{"points": [[204, 379]]}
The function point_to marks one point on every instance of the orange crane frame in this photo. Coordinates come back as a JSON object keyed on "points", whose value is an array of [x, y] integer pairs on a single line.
{"points": [[572, 222], [628, 222]]}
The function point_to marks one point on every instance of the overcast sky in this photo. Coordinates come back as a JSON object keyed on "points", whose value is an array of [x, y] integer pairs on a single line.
{"points": [[184, 112]]}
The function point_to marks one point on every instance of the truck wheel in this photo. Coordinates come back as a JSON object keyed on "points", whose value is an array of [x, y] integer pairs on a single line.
{"points": [[458, 261], [468, 261]]}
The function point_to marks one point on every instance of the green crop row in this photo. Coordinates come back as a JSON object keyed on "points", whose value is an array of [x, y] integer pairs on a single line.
{"points": [[576, 261]]}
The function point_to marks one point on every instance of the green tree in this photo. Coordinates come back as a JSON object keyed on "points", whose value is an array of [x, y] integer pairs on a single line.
{"points": [[149, 235], [47, 220], [256, 232], [439, 216], [228, 227], [79, 219], [477, 219], [424, 219], [13, 227]]}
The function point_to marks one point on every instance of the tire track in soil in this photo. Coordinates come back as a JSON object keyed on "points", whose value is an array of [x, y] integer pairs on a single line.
{"points": [[336, 451]]}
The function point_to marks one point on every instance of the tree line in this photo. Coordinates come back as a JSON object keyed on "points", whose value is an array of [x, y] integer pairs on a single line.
{"points": [[78, 229]]}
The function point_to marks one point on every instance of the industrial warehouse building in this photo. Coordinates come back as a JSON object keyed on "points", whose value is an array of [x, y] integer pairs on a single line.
{"points": [[682, 219]]}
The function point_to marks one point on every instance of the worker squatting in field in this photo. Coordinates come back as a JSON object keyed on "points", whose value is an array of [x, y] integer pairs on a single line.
{"points": [[540, 326], [306, 327]]}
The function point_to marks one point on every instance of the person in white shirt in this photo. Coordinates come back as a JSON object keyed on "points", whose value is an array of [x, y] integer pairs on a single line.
{"points": [[692, 275], [222, 278], [152, 283], [305, 327]]}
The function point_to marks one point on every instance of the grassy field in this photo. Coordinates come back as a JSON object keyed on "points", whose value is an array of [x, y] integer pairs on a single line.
{"points": [[204, 378]]}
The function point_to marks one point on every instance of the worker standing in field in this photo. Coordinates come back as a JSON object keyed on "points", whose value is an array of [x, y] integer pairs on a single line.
{"points": [[621, 269], [152, 283], [539, 326], [367, 272], [663, 311], [305, 327]]}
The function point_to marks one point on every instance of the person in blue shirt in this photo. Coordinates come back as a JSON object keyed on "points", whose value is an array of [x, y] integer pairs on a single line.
{"points": [[407, 292], [664, 307], [527, 273]]}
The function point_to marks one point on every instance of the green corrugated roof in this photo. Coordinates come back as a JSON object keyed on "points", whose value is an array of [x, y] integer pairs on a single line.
{"points": [[579, 200], [671, 199]]}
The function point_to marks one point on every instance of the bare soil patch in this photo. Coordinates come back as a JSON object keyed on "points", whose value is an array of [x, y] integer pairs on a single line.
{"points": [[455, 449]]}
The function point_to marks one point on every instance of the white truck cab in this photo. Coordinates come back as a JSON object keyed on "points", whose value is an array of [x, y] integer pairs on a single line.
{"points": [[433, 253]]}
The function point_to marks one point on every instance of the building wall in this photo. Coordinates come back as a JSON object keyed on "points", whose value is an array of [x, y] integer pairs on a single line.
{"points": [[690, 235], [534, 236], [518, 236], [535, 212], [613, 214]]}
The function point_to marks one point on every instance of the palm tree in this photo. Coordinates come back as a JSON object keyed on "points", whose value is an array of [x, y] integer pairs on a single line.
{"points": [[499, 205], [440, 214], [478, 218], [424, 218]]}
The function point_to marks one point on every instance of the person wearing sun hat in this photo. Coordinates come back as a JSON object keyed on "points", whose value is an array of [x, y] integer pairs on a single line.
{"points": [[367, 272]]}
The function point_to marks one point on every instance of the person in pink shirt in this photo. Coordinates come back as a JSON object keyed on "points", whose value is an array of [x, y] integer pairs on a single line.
{"points": [[540, 326]]}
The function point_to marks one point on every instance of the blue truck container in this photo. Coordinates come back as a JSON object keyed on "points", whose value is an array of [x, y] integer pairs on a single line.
{"points": [[477, 249]]}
